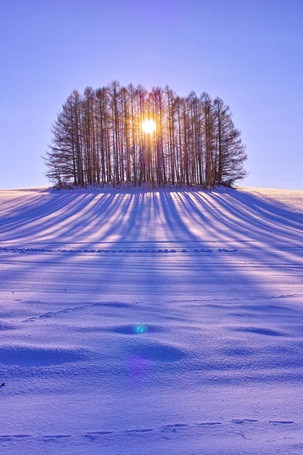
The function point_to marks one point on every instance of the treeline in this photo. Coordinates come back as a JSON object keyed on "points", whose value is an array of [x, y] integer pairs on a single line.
{"points": [[97, 139]]}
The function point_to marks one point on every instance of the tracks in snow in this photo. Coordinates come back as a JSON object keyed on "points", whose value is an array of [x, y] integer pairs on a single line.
{"points": [[117, 250], [100, 435]]}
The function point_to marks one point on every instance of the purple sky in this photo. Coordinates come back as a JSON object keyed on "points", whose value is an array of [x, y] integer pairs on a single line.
{"points": [[248, 52]]}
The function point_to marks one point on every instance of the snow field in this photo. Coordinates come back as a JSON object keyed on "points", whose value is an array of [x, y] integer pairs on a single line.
{"points": [[107, 347]]}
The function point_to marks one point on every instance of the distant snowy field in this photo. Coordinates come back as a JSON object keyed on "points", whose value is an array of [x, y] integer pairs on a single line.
{"points": [[141, 322]]}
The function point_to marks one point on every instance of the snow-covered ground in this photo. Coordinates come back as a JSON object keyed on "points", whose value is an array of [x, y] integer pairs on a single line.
{"points": [[151, 322]]}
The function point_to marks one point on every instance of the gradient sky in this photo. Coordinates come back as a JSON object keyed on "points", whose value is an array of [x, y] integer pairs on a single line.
{"points": [[247, 52]]}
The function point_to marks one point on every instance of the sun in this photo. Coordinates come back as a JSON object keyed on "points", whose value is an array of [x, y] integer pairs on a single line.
{"points": [[148, 126]]}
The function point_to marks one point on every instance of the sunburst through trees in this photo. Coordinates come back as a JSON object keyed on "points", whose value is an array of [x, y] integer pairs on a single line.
{"points": [[126, 134]]}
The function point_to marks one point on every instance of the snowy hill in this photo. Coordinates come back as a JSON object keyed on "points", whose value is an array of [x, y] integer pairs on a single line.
{"points": [[151, 322]]}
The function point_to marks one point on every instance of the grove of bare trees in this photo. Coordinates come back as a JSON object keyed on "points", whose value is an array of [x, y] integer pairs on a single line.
{"points": [[98, 139]]}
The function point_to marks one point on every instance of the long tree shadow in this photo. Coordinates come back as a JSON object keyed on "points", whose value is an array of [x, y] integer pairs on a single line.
{"points": [[204, 218]]}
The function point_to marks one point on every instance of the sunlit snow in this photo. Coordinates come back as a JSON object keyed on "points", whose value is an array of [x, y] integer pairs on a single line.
{"points": [[150, 322]]}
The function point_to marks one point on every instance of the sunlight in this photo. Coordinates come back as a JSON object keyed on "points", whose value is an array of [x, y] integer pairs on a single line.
{"points": [[148, 126]]}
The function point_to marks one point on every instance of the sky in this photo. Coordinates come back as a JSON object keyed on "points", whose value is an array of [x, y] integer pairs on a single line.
{"points": [[247, 52]]}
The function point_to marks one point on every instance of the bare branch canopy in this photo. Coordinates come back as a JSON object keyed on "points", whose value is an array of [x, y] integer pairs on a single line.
{"points": [[126, 134]]}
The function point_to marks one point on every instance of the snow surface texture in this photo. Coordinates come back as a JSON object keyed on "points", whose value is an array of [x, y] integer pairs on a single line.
{"points": [[151, 322]]}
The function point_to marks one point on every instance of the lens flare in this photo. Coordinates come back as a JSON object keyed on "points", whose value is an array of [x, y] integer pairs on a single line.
{"points": [[139, 329]]}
